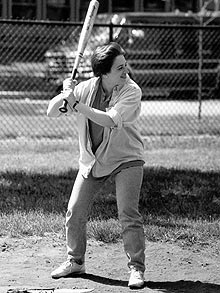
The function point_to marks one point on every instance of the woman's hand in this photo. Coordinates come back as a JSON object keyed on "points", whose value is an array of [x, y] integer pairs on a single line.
{"points": [[69, 84], [68, 88]]}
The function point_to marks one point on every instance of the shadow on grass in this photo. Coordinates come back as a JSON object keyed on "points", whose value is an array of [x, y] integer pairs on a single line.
{"points": [[181, 286], [164, 192]]}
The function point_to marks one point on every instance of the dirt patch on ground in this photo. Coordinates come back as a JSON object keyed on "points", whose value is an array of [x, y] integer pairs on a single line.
{"points": [[27, 264]]}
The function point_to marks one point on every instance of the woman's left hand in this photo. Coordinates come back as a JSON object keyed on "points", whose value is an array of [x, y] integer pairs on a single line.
{"points": [[68, 88], [69, 84]]}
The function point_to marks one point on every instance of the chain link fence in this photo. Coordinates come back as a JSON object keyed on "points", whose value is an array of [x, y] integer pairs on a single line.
{"points": [[177, 68]]}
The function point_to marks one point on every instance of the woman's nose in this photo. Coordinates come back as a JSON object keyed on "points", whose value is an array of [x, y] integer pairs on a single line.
{"points": [[126, 70]]}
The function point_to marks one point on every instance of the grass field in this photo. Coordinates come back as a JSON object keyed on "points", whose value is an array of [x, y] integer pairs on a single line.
{"points": [[180, 196]]}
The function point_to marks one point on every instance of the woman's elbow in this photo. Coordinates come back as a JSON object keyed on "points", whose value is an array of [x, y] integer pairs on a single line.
{"points": [[51, 113], [110, 123]]}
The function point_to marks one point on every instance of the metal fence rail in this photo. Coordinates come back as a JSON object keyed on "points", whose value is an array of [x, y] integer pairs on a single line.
{"points": [[177, 67]]}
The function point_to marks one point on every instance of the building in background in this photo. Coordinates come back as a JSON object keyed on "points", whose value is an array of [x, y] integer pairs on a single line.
{"points": [[74, 10]]}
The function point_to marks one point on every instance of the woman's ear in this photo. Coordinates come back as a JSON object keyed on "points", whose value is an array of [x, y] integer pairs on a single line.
{"points": [[105, 75]]}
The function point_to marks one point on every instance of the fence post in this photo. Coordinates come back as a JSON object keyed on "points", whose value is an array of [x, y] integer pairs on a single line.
{"points": [[200, 58], [110, 32], [200, 69]]}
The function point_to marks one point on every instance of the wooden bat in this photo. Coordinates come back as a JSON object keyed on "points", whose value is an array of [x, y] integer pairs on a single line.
{"points": [[83, 40]]}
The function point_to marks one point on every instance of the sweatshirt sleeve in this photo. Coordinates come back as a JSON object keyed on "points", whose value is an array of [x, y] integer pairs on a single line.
{"points": [[127, 107]]}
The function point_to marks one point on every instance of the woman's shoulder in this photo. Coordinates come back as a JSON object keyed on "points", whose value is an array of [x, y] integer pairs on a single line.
{"points": [[131, 83], [132, 87], [84, 87], [87, 83]]}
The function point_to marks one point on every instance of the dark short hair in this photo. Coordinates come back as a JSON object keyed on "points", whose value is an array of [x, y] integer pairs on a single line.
{"points": [[104, 56]]}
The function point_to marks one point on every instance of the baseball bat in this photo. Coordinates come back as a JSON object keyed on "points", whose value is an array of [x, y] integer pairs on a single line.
{"points": [[84, 37]]}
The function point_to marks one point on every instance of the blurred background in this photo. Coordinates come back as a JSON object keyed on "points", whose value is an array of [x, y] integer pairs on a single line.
{"points": [[172, 48]]}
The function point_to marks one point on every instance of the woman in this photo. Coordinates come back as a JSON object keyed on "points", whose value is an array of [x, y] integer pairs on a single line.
{"points": [[107, 107]]}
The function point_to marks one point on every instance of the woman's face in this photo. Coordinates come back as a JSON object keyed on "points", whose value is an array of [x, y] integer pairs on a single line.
{"points": [[118, 73]]}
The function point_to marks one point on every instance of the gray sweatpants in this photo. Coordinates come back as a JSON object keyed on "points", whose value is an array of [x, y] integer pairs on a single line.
{"points": [[128, 184]]}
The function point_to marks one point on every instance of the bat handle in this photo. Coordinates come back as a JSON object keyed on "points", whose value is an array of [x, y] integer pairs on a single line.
{"points": [[63, 108], [74, 72]]}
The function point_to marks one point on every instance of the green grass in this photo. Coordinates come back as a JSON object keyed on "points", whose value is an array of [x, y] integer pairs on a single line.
{"points": [[32, 223], [179, 198], [183, 231]]}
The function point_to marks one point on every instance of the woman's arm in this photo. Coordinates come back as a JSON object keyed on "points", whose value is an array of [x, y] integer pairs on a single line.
{"points": [[57, 101], [99, 117], [54, 104]]}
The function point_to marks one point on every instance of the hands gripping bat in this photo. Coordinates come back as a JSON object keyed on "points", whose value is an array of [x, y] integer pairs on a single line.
{"points": [[84, 37]]}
